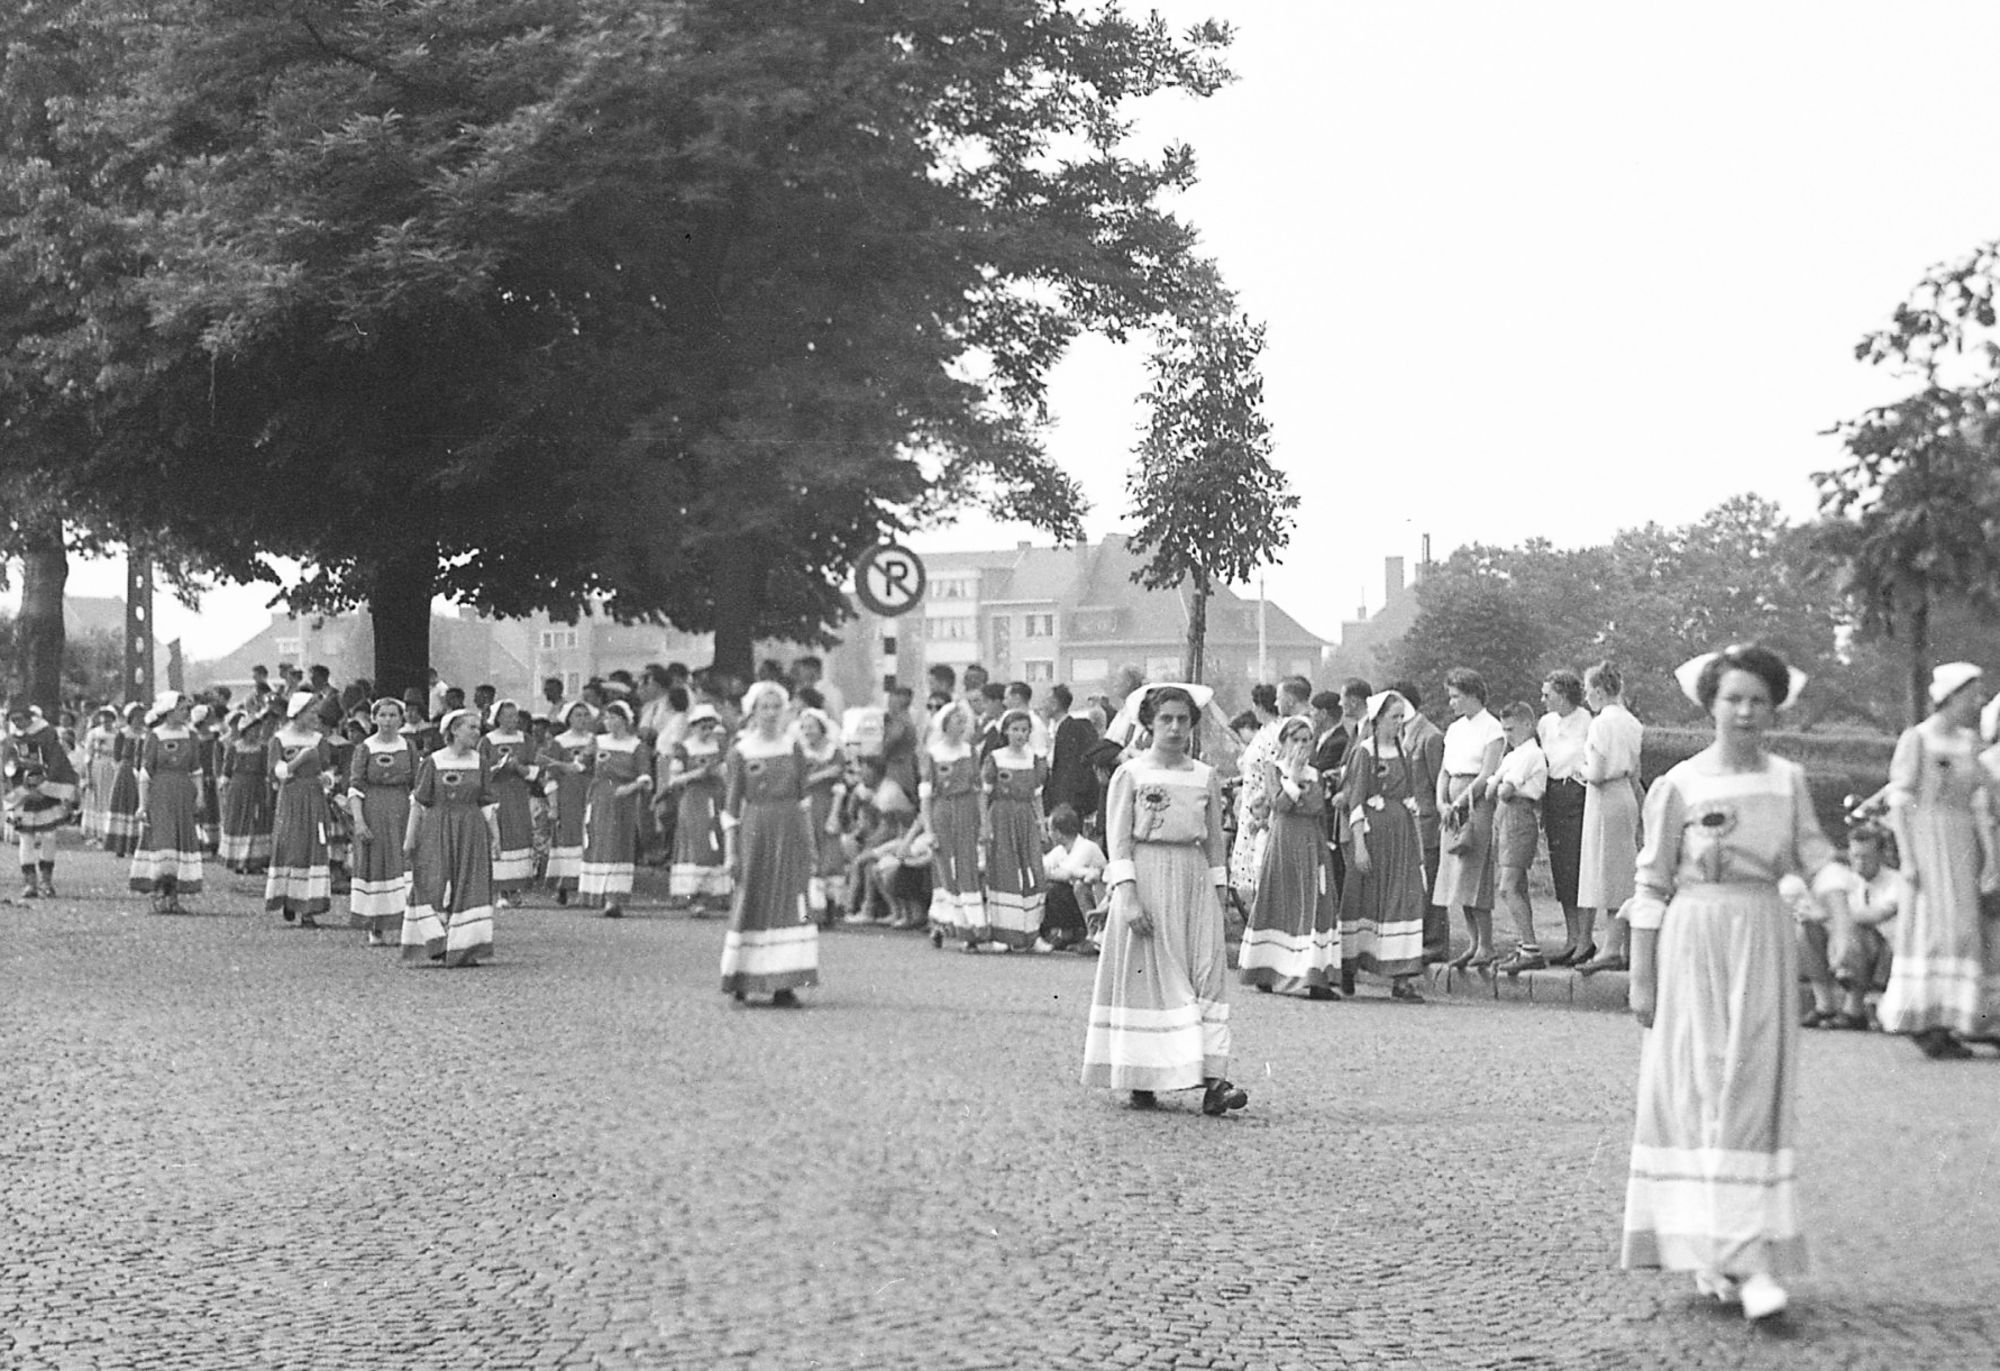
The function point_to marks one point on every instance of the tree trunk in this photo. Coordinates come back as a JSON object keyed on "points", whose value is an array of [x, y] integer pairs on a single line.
{"points": [[738, 576], [39, 629], [1197, 639], [400, 606], [1920, 653]]}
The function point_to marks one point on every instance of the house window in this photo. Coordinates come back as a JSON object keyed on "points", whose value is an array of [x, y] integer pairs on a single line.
{"points": [[1038, 672], [1089, 670], [1002, 633], [949, 628], [959, 589], [556, 639], [1038, 625], [292, 648], [572, 682]]}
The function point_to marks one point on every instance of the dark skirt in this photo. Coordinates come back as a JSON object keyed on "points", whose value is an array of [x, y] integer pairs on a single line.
{"points": [[1562, 822]]}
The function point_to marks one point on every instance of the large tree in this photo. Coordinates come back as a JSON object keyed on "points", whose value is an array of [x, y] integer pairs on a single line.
{"points": [[1209, 505], [538, 303]]}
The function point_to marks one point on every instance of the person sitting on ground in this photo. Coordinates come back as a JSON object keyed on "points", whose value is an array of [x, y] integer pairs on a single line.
{"points": [[1874, 896], [1075, 869]]}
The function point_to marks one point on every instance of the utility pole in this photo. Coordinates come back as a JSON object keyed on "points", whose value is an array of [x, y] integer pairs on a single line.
{"points": [[138, 626]]}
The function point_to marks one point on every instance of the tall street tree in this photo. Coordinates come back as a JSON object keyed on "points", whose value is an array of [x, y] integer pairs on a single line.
{"points": [[1210, 507], [542, 304]]}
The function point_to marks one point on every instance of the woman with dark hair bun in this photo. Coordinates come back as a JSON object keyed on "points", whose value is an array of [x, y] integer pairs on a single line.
{"points": [[1715, 980], [1159, 1012]]}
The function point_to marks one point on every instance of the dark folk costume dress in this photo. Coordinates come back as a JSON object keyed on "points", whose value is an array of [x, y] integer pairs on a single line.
{"points": [[1016, 886], [208, 793], [246, 805], [511, 771], [697, 872], [1711, 1185], [168, 861], [1159, 1012], [611, 820], [380, 776], [567, 762], [823, 793], [121, 822], [450, 915], [1292, 939], [1382, 910], [951, 785], [773, 943], [299, 884]]}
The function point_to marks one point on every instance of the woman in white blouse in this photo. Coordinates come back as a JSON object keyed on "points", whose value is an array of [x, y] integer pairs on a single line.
{"points": [[1606, 874], [1465, 796]]}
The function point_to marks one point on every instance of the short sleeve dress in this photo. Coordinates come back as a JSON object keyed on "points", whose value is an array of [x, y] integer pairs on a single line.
{"points": [[697, 872], [510, 771], [772, 943], [611, 820], [299, 885], [380, 776], [951, 784], [1382, 909], [169, 857], [1291, 941], [1016, 887], [450, 915]]}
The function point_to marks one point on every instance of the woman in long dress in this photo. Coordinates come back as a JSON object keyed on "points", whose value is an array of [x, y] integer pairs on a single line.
{"points": [[1610, 817], [772, 946], [1715, 980], [698, 878], [121, 820], [819, 741], [299, 884], [1159, 1010], [1382, 901], [246, 794], [948, 800], [1016, 887], [1944, 984], [100, 772], [380, 776], [208, 784], [168, 862], [511, 770], [567, 761], [621, 775], [1292, 939], [449, 839]]}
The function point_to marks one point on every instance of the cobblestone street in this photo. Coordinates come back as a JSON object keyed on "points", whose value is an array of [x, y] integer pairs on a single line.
{"points": [[228, 1143]]}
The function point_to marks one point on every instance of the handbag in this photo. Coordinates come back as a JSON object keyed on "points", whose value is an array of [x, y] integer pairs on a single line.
{"points": [[1455, 834]]}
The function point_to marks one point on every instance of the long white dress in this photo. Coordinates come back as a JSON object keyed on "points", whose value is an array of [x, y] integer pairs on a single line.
{"points": [[1711, 1186], [1610, 810]]}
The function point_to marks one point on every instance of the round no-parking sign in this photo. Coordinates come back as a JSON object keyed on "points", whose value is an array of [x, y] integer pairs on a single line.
{"points": [[889, 579]]}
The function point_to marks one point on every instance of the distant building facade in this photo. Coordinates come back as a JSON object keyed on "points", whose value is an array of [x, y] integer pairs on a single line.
{"points": [[1069, 614], [1367, 642]]}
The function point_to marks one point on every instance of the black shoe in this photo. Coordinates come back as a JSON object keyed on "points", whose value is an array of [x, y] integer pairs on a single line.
{"points": [[1320, 992], [1566, 957], [1221, 1097], [1523, 961], [937, 937], [562, 897], [612, 911], [1145, 1099], [1346, 982], [1608, 961], [783, 999]]}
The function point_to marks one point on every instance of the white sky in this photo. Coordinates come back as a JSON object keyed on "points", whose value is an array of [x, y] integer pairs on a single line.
{"points": [[1532, 269]]}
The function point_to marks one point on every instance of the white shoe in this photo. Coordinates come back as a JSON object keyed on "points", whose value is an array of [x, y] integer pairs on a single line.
{"points": [[1762, 1297], [1716, 1286]]}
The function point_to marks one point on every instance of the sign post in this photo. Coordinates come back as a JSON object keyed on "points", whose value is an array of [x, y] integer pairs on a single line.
{"points": [[889, 580]]}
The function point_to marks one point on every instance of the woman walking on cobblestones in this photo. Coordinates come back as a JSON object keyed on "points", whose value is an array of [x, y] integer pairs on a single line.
{"points": [[511, 769], [1159, 1011], [948, 795], [100, 772], [622, 773], [168, 862], [246, 794], [121, 820], [1292, 940], [1944, 983], [299, 885], [1382, 903], [1715, 980], [772, 946], [379, 779], [820, 742], [567, 762], [449, 839], [698, 875], [1011, 780]]}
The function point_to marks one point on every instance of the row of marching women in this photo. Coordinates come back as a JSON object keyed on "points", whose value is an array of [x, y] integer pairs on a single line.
{"points": [[982, 810]]}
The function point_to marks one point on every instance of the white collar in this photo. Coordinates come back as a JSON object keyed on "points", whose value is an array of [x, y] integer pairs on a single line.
{"points": [[571, 738]]}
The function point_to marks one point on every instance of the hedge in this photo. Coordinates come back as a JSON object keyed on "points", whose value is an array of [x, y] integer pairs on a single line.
{"points": [[1837, 765]]}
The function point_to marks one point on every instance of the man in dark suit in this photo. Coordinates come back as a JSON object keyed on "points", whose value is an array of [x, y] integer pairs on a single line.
{"points": [[1424, 741], [1070, 737]]}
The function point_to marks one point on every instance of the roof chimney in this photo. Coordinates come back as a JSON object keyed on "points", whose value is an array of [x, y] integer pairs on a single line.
{"points": [[1393, 575]]}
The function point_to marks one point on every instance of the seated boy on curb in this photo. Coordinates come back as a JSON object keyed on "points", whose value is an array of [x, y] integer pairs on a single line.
{"points": [[1075, 868], [1874, 895]]}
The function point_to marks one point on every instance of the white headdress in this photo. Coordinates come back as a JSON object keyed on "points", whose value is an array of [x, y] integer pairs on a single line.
{"points": [[1688, 673]]}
